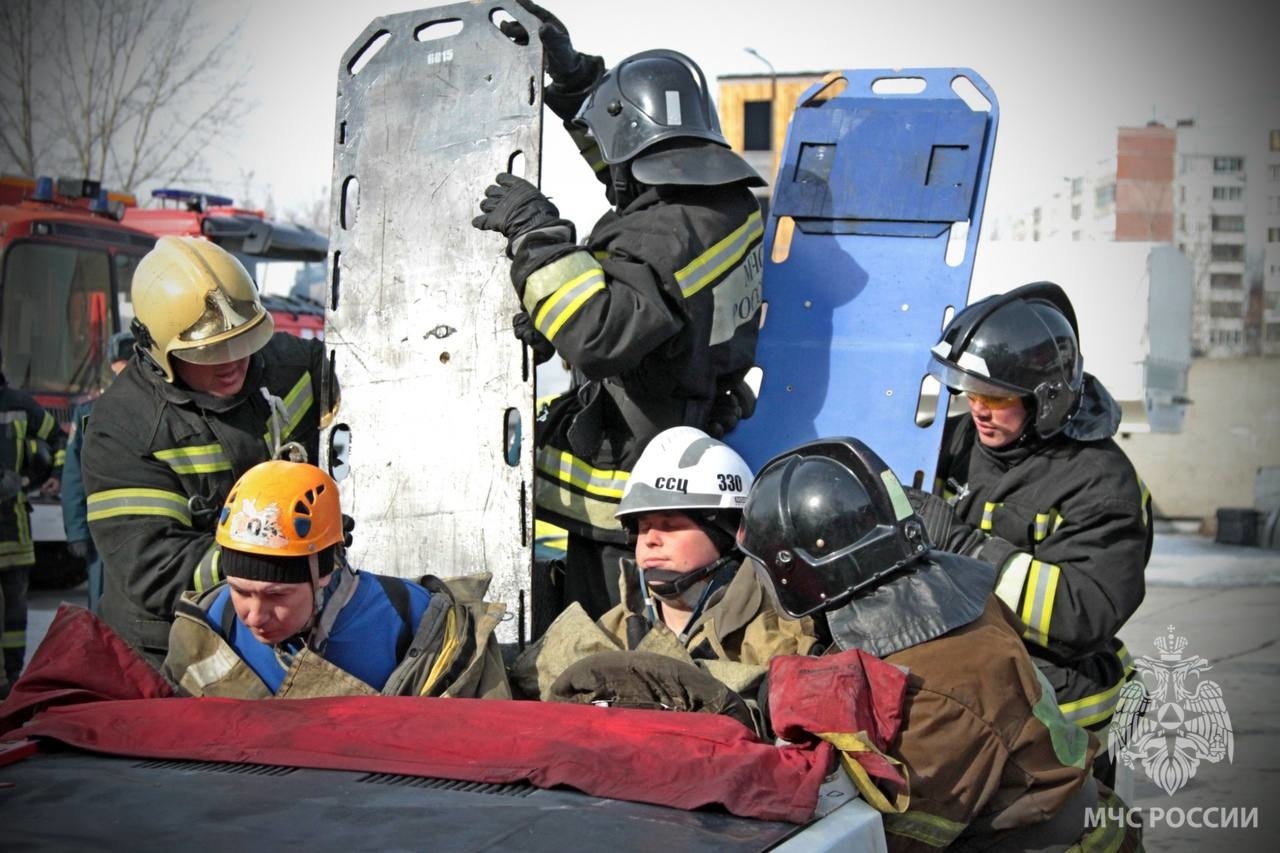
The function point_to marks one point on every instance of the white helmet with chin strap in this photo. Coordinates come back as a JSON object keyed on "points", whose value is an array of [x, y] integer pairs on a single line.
{"points": [[685, 470]]}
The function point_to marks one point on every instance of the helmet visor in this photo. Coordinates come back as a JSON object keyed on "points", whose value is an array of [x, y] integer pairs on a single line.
{"points": [[957, 380], [244, 342]]}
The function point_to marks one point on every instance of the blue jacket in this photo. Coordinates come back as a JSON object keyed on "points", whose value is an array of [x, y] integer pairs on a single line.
{"points": [[365, 640]]}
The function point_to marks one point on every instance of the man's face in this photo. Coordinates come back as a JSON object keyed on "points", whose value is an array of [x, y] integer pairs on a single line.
{"points": [[218, 380], [1000, 420], [673, 541], [272, 611]]}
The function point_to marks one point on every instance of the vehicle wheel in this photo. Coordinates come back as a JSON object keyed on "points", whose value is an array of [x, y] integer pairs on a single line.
{"points": [[55, 568]]}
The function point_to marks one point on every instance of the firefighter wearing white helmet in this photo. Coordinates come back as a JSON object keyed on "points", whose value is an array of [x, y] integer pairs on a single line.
{"points": [[210, 392], [685, 592]]}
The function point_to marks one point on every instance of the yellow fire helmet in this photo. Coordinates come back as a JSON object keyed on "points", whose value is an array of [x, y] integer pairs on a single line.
{"points": [[195, 302], [278, 512]]}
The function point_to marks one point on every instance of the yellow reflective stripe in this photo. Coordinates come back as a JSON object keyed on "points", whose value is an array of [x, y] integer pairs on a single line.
{"points": [[1013, 577], [988, 514], [206, 575], [930, 829], [59, 458], [567, 468], [1037, 604], [117, 502], [708, 266], [555, 292], [14, 639], [1111, 836], [204, 459], [576, 295], [1126, 660], [448, 651], [296, 404], [1093, 709], [46, 427], [1145, 500], [550, 536]]}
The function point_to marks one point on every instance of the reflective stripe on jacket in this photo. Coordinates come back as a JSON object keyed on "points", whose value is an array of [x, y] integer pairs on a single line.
{"points": [[22, 422], [1069, 527], [158, 462], [655, 313]]}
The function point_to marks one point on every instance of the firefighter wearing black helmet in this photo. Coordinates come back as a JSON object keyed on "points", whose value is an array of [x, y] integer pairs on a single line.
{"points": [[990, 762], [657, 312], [1040, 491]]}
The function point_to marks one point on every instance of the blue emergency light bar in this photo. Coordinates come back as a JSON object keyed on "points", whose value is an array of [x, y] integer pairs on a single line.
{"points": [[192, 197]]}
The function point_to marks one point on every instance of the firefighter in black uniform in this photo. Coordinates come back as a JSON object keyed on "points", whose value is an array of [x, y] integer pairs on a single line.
{"points": [[1042, 492], [657, 312], [212, 391], [32, 450]]}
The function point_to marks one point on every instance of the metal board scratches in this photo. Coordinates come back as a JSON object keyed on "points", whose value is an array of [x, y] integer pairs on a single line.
{"points": [[435, 388], [873, 228]]}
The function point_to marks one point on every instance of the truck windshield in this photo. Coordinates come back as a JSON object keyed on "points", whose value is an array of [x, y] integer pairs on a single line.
{"points": [[59, 314]]}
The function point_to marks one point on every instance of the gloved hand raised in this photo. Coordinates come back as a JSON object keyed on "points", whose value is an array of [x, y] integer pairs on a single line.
{"points": [[732, 404], [945, 529], [542, 348], [512, 206], [567, 68]]}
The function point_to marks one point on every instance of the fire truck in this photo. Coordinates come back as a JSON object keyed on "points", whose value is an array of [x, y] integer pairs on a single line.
{"points": [[264, 246], [68, 249]]}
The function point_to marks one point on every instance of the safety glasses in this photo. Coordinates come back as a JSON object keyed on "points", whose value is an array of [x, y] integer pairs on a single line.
{"points": [[992, 402]]}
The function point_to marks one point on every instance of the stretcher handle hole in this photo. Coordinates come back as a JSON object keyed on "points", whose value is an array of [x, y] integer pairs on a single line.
{"points": [[437, 30], [511, 437], [349, 202], [927, 401], [517, 34], [967, 91], [834, 85], [898, 85], [368, 51]]}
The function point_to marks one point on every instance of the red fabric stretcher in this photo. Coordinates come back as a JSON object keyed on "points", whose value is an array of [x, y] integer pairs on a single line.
{"points": [[85, 687]]}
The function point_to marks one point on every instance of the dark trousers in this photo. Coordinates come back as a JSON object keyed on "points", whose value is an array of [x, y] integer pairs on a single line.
{"points": [[13, 628]]}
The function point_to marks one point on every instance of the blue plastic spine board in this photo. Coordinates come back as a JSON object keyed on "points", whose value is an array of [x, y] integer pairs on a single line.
{"points": [[856, 279]]}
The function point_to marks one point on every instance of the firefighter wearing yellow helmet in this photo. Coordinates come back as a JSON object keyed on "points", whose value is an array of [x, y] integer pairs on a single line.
{"points": [[210, 392]]}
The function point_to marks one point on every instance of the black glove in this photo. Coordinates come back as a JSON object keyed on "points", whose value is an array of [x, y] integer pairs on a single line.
{"points": [[735, 402], [944, 528], [348, 524], [567, 68], [542, 348], [512, 206], [81, 549]]}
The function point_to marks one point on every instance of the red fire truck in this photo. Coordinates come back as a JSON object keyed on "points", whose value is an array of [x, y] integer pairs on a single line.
{"points": [[68, 249]]}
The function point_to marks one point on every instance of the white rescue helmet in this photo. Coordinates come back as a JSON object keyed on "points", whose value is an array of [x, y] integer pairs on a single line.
{"points": [[684, 469]]}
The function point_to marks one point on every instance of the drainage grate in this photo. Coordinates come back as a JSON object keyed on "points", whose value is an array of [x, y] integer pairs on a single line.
{"points": [[505, 789], [215, 767]]}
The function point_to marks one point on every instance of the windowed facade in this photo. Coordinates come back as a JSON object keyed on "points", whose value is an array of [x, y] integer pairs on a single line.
{"points": [[1226, 252], [757, 126], [1273, 235], [1275, 140], [1225, 310], [1273, 172], [1104, 195], [1229, 224], [1225, 281], [1228, 193], [1227, 165]]}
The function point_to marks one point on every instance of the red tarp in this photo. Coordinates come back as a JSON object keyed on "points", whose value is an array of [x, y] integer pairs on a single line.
{"points": [[86, 688]]}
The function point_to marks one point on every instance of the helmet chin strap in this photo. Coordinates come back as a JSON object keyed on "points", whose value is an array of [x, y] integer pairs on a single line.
{"points": [[673, 586]]}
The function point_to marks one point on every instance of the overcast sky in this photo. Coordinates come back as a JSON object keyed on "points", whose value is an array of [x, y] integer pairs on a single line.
{"points": [[1066, 72]]}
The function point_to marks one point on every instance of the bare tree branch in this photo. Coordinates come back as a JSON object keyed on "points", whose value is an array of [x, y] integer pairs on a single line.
{"points": [[132, 91]]}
